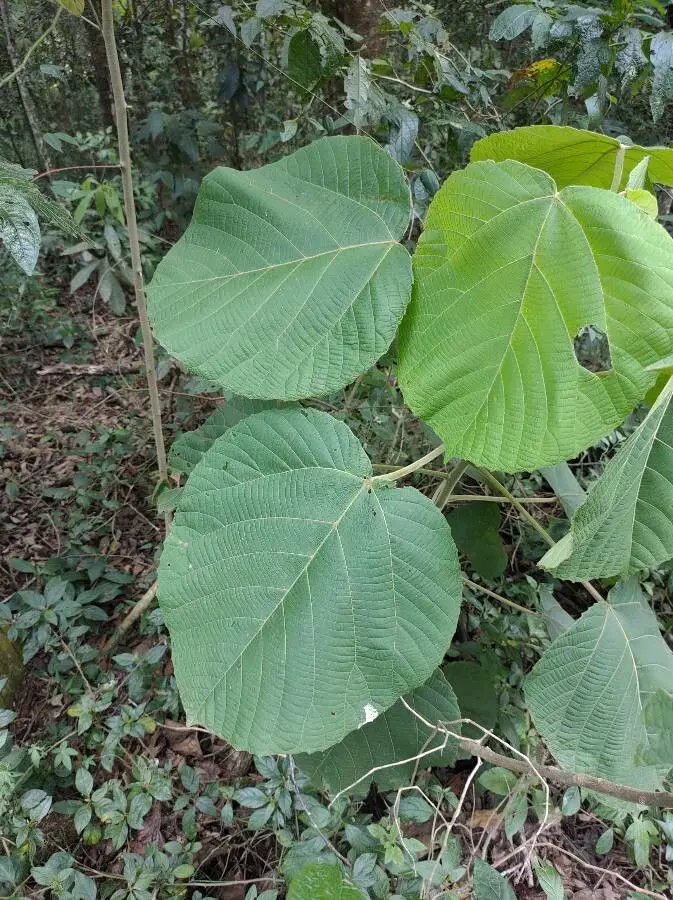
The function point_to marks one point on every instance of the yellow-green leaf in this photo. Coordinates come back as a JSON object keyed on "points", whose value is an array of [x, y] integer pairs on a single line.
{"points": [[574, 156], [508, 272], [76, 7]]}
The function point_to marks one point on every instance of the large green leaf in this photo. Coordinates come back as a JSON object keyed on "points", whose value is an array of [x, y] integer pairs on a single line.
{"points": [[507, 272], [303, 596], [186, 450], [587, 692], [661, 58], [290, 280], [512, 22], [394, 736], [573, 156], [626, 524]]}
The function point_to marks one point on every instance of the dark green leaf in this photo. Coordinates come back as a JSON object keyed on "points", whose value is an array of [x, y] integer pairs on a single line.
{"points": [[488, 884], [474, 688], [321, 882], [304, 63], [476, 530]]}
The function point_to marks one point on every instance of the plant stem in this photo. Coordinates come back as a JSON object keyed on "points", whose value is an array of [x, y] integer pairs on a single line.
{"points": [[411, 87], [619, 168], [443, 493], [117, 86], [525, 766], [484, 590], [566, 779], [135, 613], [493, 481], [488, 498], [402, 472], [51, 172]]}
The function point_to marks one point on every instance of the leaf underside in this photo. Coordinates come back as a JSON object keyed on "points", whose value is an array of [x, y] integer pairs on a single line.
{"points": [[302, 596], [186, 450], [588, 691], [626, 524], [394, 736], [290, 280], [19, 229], [572, 155], [507, 272]]}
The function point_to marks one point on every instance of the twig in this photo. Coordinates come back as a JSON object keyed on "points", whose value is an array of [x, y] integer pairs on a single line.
{"points": [[50, 172], [443, 493], [77, 665], [544, 534], [411, 87], [402, 472], [117, 86], [501, 489], [242, 881], [609, 872], [131, 617], [24, 62], [449, 827], [660, 799], [110, 368], [484, 590], [352, 394], [488, 498]]}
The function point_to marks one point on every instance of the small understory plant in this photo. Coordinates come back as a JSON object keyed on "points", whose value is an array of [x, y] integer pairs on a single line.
{"points": [[311, 593]]}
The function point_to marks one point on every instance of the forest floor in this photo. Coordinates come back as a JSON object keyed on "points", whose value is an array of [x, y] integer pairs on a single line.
{"points": [[78, 470]]}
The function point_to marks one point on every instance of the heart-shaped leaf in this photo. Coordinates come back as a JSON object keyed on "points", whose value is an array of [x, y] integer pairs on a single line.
{"points": [[303, 595], [508, 272], [290, 280], [390, 743]]}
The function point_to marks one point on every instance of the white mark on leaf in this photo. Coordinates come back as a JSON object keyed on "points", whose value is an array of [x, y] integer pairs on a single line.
{"points": [[371, 713]]}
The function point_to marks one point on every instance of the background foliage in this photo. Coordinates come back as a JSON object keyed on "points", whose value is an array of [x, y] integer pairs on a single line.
{"points": [[104, 789]]}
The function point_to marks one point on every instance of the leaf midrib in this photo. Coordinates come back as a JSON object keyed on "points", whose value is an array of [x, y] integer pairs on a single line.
{"points": [[303, 571], [290, 262]]}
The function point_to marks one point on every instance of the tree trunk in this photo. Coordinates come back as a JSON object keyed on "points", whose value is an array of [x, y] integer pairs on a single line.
{"points": [[43, 156], [186, 86], [363, 16]]}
